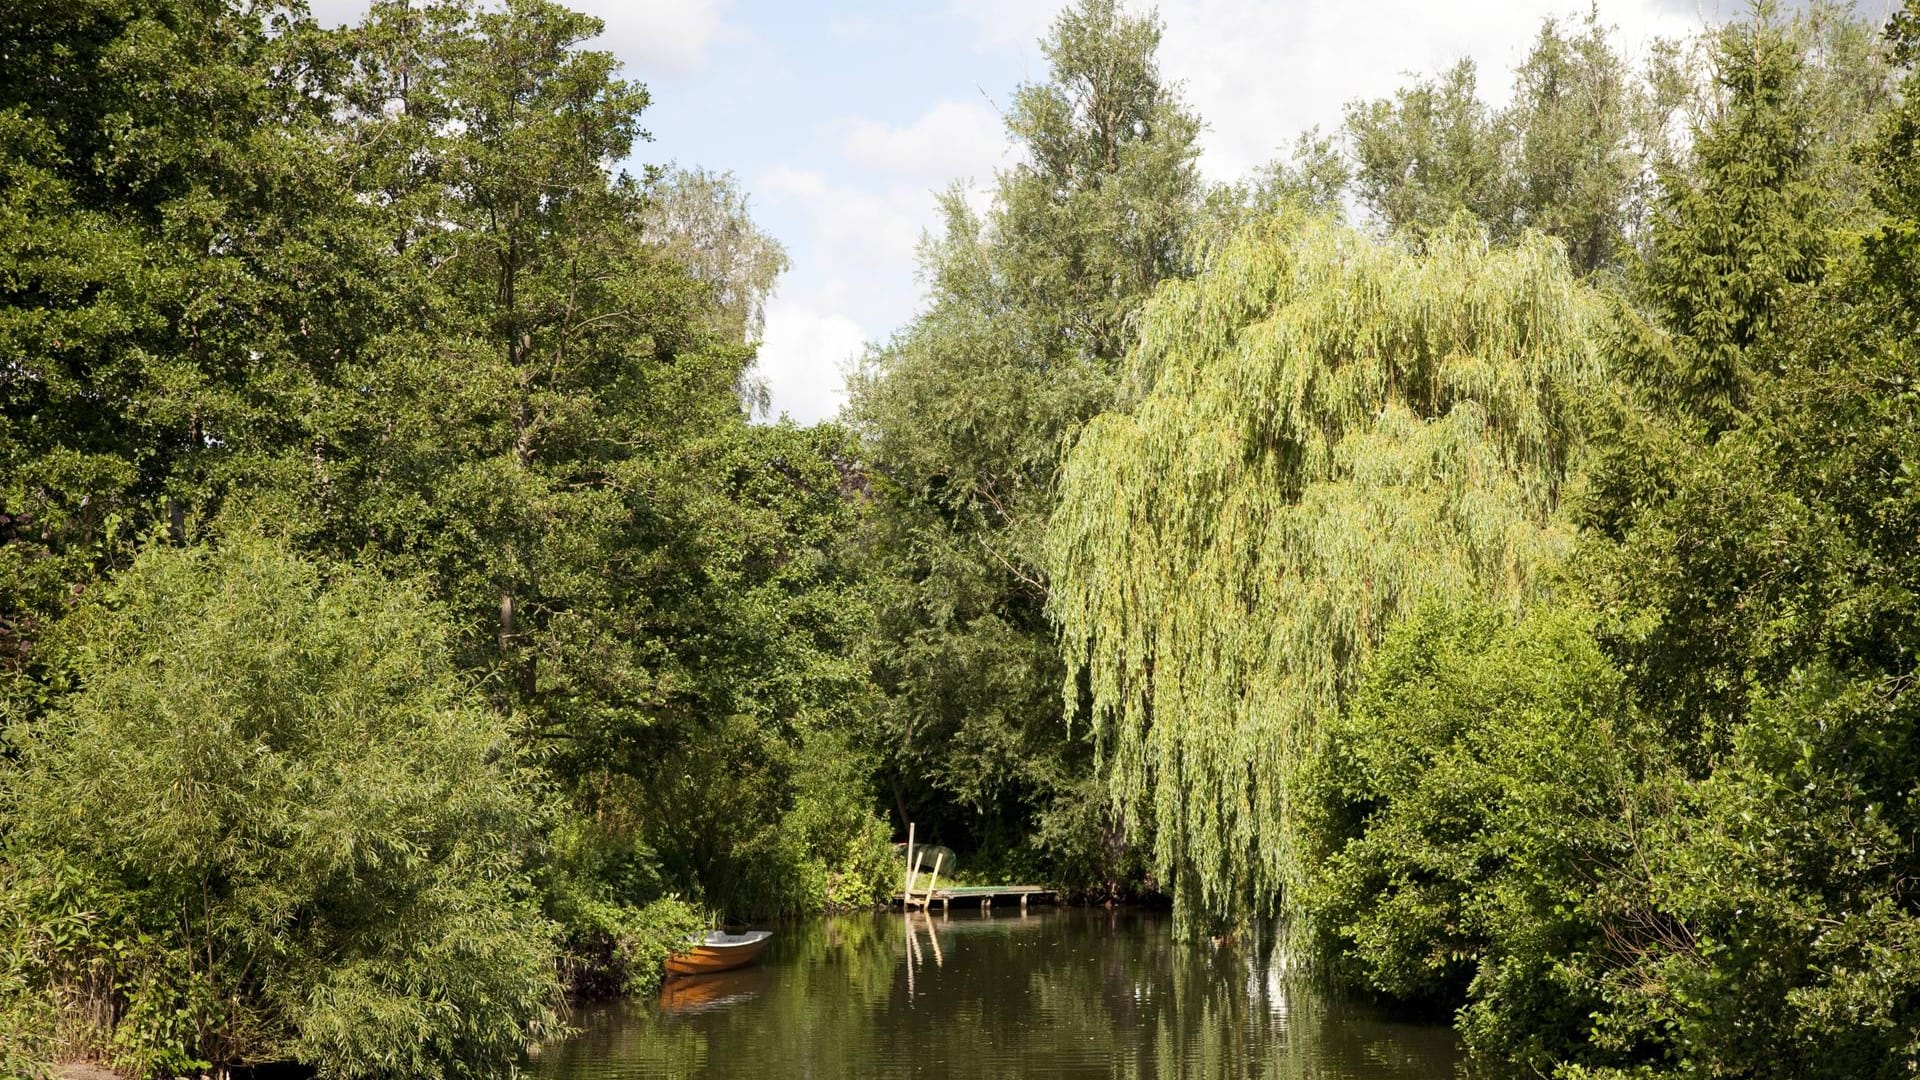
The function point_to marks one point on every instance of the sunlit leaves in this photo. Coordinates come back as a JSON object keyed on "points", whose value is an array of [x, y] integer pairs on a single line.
{"points": [[1330, 431]]}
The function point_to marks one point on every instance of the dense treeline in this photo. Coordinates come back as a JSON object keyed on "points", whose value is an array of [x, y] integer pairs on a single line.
{"points": [[402, 622], [965, 414], [1530, 626], [1508, 594]]}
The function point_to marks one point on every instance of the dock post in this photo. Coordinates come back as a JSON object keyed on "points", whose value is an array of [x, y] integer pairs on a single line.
{"points": [[933, 882], [906, 892]]}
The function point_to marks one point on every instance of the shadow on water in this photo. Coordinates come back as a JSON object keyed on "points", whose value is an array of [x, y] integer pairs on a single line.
{"points": [[1064, 994]]}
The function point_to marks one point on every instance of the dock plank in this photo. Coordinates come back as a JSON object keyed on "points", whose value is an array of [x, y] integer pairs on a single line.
{"points": [[983, 895]]}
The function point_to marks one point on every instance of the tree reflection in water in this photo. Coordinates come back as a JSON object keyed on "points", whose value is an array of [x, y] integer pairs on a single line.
{"points": [[1064, 994]]}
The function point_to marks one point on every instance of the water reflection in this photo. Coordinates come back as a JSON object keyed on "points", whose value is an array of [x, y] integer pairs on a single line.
{"points": [[699, 993], [1064, 994]]}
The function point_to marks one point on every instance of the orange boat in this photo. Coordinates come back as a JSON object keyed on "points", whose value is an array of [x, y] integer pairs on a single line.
{"points": [[719, 952]]}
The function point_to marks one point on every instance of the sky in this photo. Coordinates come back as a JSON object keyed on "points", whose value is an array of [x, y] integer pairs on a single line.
{"points": [[843, 118]]}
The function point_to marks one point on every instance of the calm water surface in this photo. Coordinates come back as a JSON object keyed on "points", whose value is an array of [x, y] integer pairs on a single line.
{"points": [[1056, 994]]}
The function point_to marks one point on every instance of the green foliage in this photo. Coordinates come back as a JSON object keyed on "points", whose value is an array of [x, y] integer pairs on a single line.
{"points": [[1293, 497], [1568, 157], [1739, 228], [1460, 814], [1783, 885], [591, 883], [1764, 927], [294, 831], [756, 824], [768, 620], [1334, 432], [1314, 177], [1431, 152], [830, 847], [1596, 151], [29, 1020], [1095, 219], [150, 154], [1574, 127], [1738, 246], [702, 219], [966, 412], [561, 448], [518, 433], [1723, 884], [381, 291]]}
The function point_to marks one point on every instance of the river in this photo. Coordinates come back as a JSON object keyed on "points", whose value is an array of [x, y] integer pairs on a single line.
{"points": [[1060, 994]]}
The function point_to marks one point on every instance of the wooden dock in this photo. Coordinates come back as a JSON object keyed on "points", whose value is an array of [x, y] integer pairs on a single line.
{"points": [[983, 897]]}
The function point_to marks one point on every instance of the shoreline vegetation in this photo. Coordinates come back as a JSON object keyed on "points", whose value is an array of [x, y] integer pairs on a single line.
{"points": [[1484, 542]]}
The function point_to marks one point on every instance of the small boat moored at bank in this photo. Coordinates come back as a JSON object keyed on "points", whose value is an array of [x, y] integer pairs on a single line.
{"points": [[719, 951]]}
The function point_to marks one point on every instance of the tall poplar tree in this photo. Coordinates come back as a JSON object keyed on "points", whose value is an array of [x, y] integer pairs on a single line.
{"points": [[966, 411], [1431, 151], [1572, 119]]}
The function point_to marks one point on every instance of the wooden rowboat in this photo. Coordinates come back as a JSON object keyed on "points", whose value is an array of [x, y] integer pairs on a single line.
{"points": [[719, 952]]}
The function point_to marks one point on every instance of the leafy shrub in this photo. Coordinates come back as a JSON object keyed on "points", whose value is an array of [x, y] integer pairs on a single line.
{"points": [[828, 851], [27, 1015], [595, 882], [1772, 925], [295, 832], [1460, 814]]}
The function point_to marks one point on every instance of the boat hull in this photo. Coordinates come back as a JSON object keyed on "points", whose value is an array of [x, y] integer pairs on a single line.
{"points": [[720, 952]]}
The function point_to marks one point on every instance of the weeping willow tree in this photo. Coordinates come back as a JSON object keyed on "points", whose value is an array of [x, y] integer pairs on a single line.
{"points": [[1328, 432]]}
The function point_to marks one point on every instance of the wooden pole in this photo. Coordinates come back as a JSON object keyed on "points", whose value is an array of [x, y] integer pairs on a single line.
{"points": [[934, 882], [906, 893]]}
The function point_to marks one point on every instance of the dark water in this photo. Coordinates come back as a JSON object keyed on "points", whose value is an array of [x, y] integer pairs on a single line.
{"points": [[1056, 994]]}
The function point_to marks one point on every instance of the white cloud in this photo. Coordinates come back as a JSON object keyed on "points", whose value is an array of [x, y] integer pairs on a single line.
{"points": [[1004, 23], [337, 12], [861, 239], [805, 358], [862, 223], [661, 35], [651, 36], [787, 180], [952, 140]]}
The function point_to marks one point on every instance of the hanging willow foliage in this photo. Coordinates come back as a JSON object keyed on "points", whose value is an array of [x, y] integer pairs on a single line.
{"points": [[1330, 431]]}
